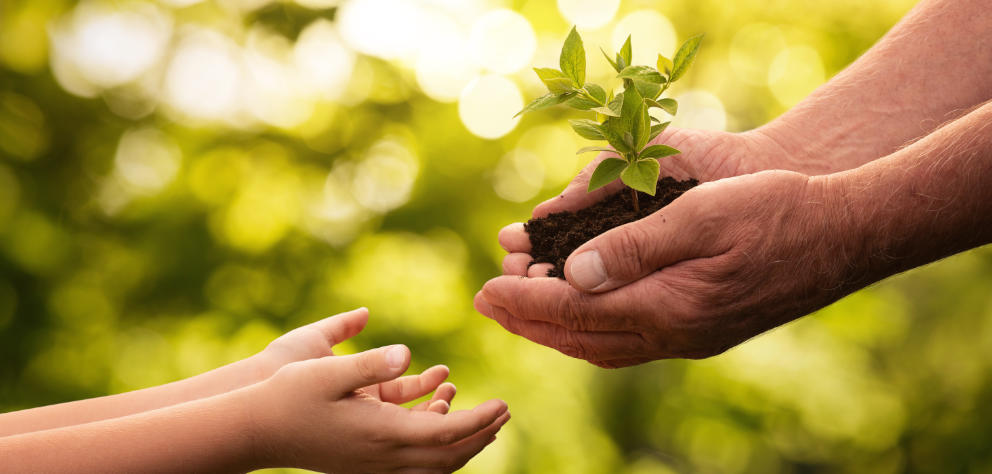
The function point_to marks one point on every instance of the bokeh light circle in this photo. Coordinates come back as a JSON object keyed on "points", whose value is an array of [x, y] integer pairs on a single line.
{"points": [[588, 14], [518, 176], [444, 65], [388, 29], [323, 61], [701, 110], [204, 77], [503, 41], [488, 104], [651, 33], [794, 73], [752, 50], [147, 159]]}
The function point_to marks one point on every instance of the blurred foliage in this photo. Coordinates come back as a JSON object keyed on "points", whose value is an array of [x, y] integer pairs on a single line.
{"points": [[181, 182]]}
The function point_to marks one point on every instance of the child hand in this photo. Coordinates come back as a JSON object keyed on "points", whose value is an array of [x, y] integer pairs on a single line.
{"points": [[316, 340], [311, 341], [341, 414]]}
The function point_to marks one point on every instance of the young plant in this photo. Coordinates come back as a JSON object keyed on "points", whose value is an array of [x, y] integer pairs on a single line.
{"points": [[622, 120]]}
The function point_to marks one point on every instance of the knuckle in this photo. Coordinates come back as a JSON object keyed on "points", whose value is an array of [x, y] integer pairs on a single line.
{"points": [[570, 311], [365, 367], [627, 251]]}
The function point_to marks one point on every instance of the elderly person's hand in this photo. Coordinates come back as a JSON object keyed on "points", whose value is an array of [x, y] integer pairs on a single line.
{"points": [[724, 262]]}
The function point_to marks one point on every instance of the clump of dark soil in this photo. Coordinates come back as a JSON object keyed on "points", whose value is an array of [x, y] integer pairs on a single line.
{"points": [[554, 237]]}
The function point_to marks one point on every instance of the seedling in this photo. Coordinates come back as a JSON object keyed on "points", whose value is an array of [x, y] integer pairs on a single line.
{"points": [[622, 120]]}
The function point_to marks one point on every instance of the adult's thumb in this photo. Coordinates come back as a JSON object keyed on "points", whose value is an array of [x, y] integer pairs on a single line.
{"points": [[352, 372], [629, 252]]}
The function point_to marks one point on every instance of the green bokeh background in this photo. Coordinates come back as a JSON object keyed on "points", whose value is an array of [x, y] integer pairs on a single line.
{"points": [[113, 278]]}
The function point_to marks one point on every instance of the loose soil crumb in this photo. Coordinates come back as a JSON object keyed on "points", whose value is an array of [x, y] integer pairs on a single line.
{"points": [[554, 237]]}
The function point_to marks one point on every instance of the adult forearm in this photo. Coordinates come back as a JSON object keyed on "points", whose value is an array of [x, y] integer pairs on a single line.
{"points": [[922, 203], [214, 382], [208, 435], [930, 68]]}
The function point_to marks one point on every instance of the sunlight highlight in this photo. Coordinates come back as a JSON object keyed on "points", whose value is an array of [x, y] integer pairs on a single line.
{"points": [[487, 106], [204, 76], [651, 33], [795, 73], [108, 47], [588, 14], [503, 41]]}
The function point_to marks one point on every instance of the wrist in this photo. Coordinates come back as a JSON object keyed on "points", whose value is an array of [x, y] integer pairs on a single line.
{"points": [[843, 234], [252, 410], [787, 147]]}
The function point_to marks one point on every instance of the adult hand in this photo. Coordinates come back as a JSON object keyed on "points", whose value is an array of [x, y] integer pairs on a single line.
{"points": [[706, 156], [726, 261]]}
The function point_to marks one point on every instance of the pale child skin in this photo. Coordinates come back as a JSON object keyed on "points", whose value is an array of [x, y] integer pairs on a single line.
{"points": [[295, 404]]}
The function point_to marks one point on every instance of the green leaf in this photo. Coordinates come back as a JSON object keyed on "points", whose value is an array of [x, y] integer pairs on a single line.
{"points": [[614, 137], [664, 64], [596, 92], [613, 63], [641, 73], [684, 57], [642, 175], [616, 104], [628, 139], [587, 149], [657, 129], [642, 129], [666, 104], [587, 129], [557, 81], [581, 103], [606, 172], [647, 89], [658, 151], [605, 111], [573, 58], [543, 102], [625, 54], [630, 113]]}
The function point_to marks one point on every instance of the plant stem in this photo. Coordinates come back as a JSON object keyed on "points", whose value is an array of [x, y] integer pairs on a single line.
{"points": [[633, 194]]}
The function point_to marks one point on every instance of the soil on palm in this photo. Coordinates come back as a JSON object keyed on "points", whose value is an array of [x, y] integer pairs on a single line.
{"points": [[554, 237]]}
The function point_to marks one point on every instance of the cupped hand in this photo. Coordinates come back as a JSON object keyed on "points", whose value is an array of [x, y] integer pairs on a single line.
{"points": [[726, 261], [706, 156], [343, 414]]}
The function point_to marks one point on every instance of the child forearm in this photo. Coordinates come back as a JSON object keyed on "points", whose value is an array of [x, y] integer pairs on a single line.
{"points": [[208, 435], [223, 379]]}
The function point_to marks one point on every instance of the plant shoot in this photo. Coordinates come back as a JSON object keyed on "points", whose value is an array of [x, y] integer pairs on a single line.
{"points": [[621, 119]]}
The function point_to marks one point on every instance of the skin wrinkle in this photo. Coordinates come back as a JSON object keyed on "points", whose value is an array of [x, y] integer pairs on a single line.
{"points": [[907, 189]]}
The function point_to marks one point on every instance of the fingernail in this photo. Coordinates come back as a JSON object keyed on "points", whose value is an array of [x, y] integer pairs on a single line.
{"points": [[396, 356], [587, 270]]}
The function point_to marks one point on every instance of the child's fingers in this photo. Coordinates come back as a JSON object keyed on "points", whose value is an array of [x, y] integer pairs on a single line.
{"points": [[439, 406], [346, 374], [341, 327], [412, 387], [446, 392], [453, 456], [428, 429]]}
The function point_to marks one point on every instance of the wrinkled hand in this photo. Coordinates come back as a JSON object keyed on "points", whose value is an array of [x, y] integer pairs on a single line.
{"points": [[726, 261], [342, 414], [706, 156]]}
